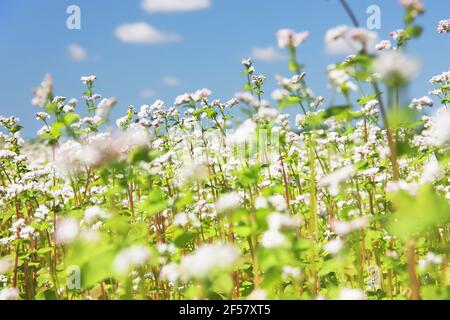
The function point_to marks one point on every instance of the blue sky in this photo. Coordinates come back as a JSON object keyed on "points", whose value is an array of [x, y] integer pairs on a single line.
{"points": [[211, 43]]}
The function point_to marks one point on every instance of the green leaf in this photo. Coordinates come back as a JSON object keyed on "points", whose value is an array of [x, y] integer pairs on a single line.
{"points": [[418, 214], [52, 108], [44, 250], [142, 154], [339, 112], [403, 118], [138, 231], [70, 118], [289, 101], [364, 100], [16, 128], [183, 238], [293, 66], [414, 31], [248, 176], [97, 268], [247, 87], [156, 202], [55, 131]]}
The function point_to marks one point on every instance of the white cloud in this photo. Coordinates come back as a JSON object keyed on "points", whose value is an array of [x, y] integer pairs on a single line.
{"points": [[147, 93], [174, 5], [268, 54], [76, 52], [143, 33], [171, 81]]}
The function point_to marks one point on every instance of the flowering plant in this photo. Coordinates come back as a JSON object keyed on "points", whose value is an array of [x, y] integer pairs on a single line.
{"points": [[188, 201]]}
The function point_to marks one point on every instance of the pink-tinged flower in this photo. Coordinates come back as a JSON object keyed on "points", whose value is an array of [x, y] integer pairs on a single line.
{"points": [[416, 5], [421, 102], [289, 38], [384, 45], [43, 92], [345, 40], [396, 34], [444, 26], [334, 246]]}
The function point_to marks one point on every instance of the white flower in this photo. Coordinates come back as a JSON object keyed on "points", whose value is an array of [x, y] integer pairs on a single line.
{"points": [[67, 230], [340, 79], [170, 272], [273, 239], [444, 26], [93, 213], [201, 94], [88, 79], [334, 179], [279, 94], [196, 170], [397, 66], [145, 111], [247, 62], [185, 98], [420, 103], [431, 171], [430, 259], [208, 258], [291, 272], [345, 40], [343, 228], [351, 294], [334, 246], [267, 113], [42, 93], [7, 154], [289, 38], [228, 202], [42, 116], [133, 137], [396, 186], [261, 203], [384, 45], [5, 264], [9, 294], [277, 221], [131, 257], [181, 219], [164, 248], [441, 78], [370, 107], [104, 107], [336, 33], [68, 108], [258, 294], [416, 5], [440, 131], [123, 122], [278, 202], [27, 232]]}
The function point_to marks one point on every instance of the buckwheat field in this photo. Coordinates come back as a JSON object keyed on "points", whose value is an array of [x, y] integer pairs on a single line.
{"points": [[301, 197]]}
